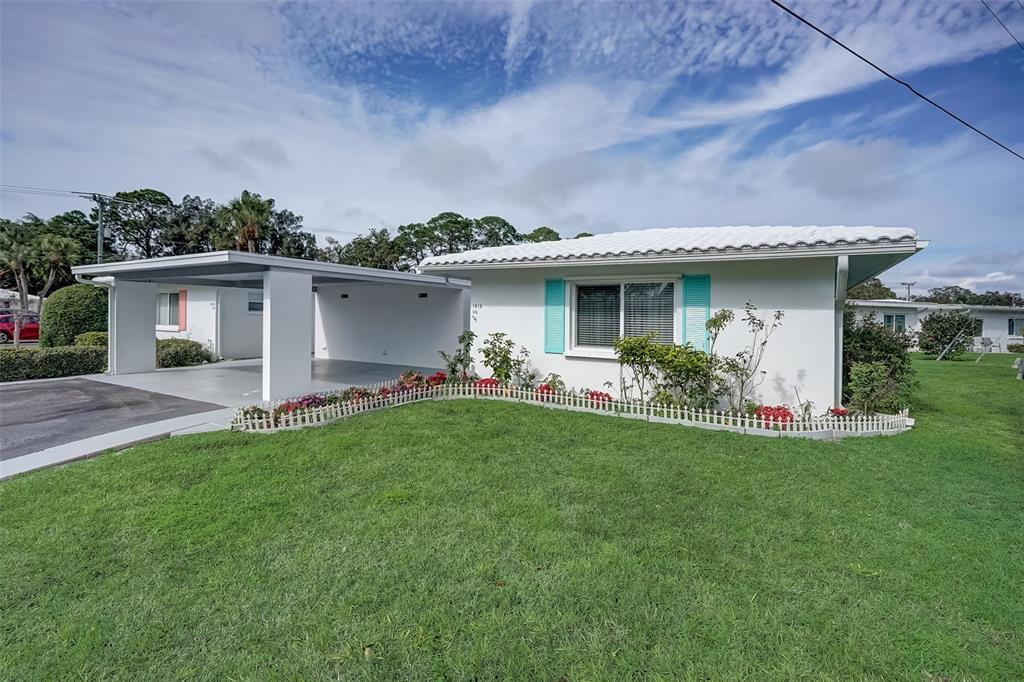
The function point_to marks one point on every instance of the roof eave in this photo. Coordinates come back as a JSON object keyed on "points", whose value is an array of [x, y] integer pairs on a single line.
{"points": [[906, 247]]}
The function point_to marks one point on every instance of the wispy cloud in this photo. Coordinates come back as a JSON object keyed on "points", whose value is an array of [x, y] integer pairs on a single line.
{"points": [[583, 116]]}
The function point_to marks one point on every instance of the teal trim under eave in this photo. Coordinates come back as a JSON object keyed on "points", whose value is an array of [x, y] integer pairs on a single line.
{"points": [[554, 316]]}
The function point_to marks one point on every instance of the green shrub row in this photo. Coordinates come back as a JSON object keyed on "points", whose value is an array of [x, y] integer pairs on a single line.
{"points": [[32, 362], [1015, 348]]}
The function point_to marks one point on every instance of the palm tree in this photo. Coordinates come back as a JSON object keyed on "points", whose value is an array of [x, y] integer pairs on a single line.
{"points": [[247, 217], [18, 250], [55, 253]]}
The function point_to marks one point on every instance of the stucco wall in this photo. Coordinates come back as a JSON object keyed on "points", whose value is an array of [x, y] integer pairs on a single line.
{"points": [[388, 323], [200, 315], [799, 357], [241, 331]]}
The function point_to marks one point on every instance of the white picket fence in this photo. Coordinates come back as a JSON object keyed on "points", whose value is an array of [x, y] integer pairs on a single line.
{"points": [[823, 427]]}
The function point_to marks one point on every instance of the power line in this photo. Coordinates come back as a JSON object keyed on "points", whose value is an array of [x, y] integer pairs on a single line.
{"points": [[905, 84], [1005, 27]]}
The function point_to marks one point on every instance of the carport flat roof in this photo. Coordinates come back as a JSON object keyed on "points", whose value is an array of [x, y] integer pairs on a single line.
{"points": [[243, 269]]}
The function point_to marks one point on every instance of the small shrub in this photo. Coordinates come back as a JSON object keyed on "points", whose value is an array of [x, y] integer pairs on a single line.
{"points": [[555, 383], [71, 311], [873, 388], [254, 412], [26, 362], [180, 353], [458, 363], [1015, 348], [97, 339], [944, 327], [638, 354], [497, 352]]}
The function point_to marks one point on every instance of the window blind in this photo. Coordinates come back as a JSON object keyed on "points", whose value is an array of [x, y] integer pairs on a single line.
{"points": [[650, 307], [597, 314]]}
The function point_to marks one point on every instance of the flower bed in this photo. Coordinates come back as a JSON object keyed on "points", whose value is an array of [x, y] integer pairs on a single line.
{"points": [[766, 420]]}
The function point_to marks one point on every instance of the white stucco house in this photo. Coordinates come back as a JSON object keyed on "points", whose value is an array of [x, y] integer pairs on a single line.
{"points": [[286, 311], [1001, 324], [564, 301], [567, 301]]}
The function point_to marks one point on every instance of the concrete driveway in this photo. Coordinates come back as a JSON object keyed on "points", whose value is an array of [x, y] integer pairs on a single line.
{"points": [[38, 415]]}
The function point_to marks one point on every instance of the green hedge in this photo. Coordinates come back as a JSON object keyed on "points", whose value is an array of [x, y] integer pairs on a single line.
{"points": [[30, 362], [71, 311], [180, 353], [95, 339], [1015, 348]]}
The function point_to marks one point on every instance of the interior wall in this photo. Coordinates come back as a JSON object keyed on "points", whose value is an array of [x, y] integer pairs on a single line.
{"points": [[388, 323]]}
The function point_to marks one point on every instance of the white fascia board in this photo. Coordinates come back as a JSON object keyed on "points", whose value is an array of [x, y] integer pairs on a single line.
{"points": [[909, 248], [269, 262]]}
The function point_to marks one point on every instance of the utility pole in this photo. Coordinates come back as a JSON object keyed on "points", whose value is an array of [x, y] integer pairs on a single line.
{"points": [[907, 285], [101, 204], [99, 229]]}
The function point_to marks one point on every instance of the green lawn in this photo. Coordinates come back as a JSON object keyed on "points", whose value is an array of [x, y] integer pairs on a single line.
{"points": [[495, 541]]}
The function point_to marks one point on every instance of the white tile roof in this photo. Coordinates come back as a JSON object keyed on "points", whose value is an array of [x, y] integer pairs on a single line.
{"points": [[677, 240]]}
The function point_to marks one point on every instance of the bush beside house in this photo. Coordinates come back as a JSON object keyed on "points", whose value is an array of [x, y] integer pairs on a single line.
{"points": [[942, 329], [96, 339], [28, 362], [868, 344], [180, 353], [71, 311]]}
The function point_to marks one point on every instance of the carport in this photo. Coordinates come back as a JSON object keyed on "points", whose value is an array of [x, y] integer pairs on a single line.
{"points": [[335, 312]]}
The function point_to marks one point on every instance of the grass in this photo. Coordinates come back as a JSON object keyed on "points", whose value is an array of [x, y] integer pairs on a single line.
{"points": [[486, 540]]}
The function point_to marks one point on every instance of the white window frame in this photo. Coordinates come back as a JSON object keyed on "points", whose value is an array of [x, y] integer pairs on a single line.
{"points": [[249, 301], [892, 327], [607, 353], [1018, 329], [166, 326]]}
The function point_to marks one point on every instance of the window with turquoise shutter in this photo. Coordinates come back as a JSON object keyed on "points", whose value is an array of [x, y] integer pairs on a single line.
{"points": [[696, 310], [554, 316]]}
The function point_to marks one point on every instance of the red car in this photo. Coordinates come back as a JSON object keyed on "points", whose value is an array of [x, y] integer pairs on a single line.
{"points": [[29, 327]]}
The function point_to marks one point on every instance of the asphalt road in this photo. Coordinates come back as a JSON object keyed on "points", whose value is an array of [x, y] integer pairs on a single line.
{"points": [[40, 415]]}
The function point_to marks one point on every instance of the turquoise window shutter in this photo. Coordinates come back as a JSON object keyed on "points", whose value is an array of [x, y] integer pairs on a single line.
{"points": [[696, 310], [554, 316]]}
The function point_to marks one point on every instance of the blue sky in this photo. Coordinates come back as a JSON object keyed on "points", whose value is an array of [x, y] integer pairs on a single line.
{"points": [[591, 116]]}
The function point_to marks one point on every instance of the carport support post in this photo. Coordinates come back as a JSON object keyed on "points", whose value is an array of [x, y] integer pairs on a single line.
{"points": [[287, 333], [132, 341]]}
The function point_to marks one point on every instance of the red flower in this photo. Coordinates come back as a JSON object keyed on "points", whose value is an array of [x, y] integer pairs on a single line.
{"points": [[778, 414], [488, 385], [436, 379], [838, 411], [599, 396]]}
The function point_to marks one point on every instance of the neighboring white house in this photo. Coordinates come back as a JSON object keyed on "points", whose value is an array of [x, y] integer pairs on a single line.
{"points": [[1001, 324], [285, 310], [10, 300], [567, 301]]}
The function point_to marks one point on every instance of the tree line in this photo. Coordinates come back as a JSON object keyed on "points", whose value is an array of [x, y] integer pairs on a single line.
{"points": [[874, 289], [36, 254]]}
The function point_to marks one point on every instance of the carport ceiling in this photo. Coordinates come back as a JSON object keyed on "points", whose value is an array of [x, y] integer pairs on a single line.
{"points": [[241, 269]]}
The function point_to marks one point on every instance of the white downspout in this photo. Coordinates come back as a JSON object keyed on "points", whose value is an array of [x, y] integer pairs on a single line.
{"points": [[842, 278]]}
